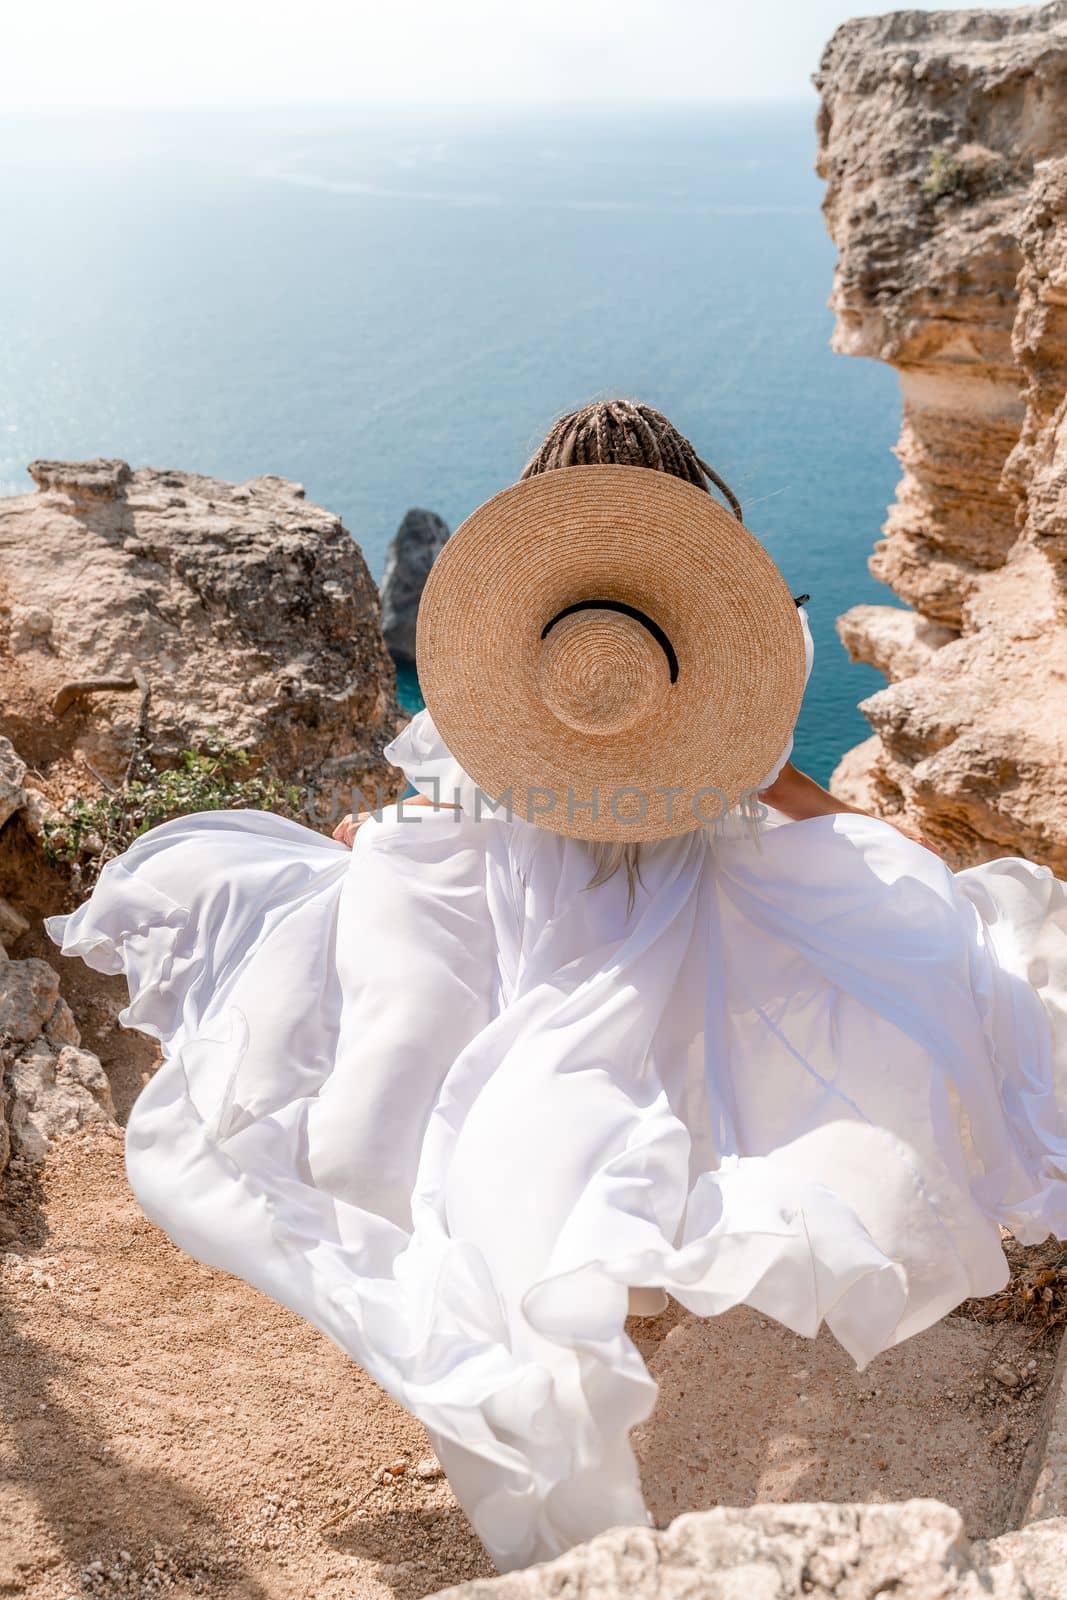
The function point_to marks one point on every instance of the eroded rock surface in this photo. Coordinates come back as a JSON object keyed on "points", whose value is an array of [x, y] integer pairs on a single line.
{"points": [[49, 1086], [245, 610], [914, 1550], [942, 140], [12, 779]]}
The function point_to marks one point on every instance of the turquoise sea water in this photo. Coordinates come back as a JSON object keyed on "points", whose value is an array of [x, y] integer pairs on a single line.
{"points": [[392, 308]]}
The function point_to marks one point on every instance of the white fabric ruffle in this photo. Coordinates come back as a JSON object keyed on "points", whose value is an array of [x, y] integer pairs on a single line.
{"points": [[448, 1105]]}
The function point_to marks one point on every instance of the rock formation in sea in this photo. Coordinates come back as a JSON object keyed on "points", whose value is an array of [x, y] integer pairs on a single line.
{"points": [[413, 549], [943, 143], [242, 608]]}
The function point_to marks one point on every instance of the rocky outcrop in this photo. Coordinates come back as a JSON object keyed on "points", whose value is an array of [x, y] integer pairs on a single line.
{"points": [[412, 551], [12, 780], [914, 1550], [1037, 466], [49, 1086], [241, 608], [941, 142]]}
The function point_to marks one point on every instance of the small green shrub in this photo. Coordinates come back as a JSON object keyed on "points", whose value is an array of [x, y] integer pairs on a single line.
{"points": [[212, 777], [944, 175]]}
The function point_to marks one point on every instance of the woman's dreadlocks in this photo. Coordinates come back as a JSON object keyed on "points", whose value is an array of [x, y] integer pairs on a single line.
{"points": [[625, 433]]}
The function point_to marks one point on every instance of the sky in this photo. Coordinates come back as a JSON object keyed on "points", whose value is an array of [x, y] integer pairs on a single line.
{"points": [[68, 53]]}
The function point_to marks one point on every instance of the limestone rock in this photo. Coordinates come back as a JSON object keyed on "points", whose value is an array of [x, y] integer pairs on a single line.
{"points": [[914, 1550], [12, 776], [1037, 467], [898, 642], [942, 138], [61, 1028], [37, 812], [29, 628], [53, 1093], [49, 1086], [1037, 1554], [29, 994], [84, 483], [412, 551], [928, 244], [859, 779], [247, 611], [12, 924]]}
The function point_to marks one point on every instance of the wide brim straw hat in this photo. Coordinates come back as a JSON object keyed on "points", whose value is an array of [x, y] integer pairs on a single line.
{"points": [[609, 653]]}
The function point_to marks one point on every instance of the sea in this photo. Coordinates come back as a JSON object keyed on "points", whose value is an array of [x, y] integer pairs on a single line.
{"points": [[392, 307]]}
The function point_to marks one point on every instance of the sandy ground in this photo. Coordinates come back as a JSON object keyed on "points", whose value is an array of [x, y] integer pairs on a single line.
{"points": [[749, 1412], [169, 1423]]}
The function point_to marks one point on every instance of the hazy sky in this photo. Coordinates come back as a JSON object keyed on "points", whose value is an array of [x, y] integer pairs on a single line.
{"points": [[248, 52]]}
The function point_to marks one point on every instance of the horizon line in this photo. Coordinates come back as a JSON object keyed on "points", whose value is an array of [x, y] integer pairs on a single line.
{"points": [[596, 102]]}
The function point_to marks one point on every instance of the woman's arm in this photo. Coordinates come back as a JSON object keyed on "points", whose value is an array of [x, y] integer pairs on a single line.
{"points": [[348, 827], [798, 797]]}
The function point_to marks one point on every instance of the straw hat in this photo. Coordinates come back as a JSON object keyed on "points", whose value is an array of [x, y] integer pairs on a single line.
{"points": [[593, 638]]}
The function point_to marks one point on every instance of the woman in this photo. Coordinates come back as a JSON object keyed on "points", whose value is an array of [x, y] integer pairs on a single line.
{"points": [[597, 1023]]}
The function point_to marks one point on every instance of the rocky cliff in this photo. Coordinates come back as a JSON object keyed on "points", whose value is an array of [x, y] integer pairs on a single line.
{"points": [[241, 608], [942, 140]]}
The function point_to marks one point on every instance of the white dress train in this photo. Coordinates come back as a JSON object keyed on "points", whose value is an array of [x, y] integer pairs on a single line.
{"points": [[448, 1104]]}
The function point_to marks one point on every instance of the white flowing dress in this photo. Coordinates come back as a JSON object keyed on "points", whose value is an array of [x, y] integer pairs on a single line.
{"points": [[448, 1104]]}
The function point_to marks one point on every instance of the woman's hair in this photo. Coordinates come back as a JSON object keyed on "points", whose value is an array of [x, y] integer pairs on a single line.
{"points": [[623, 433]]}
